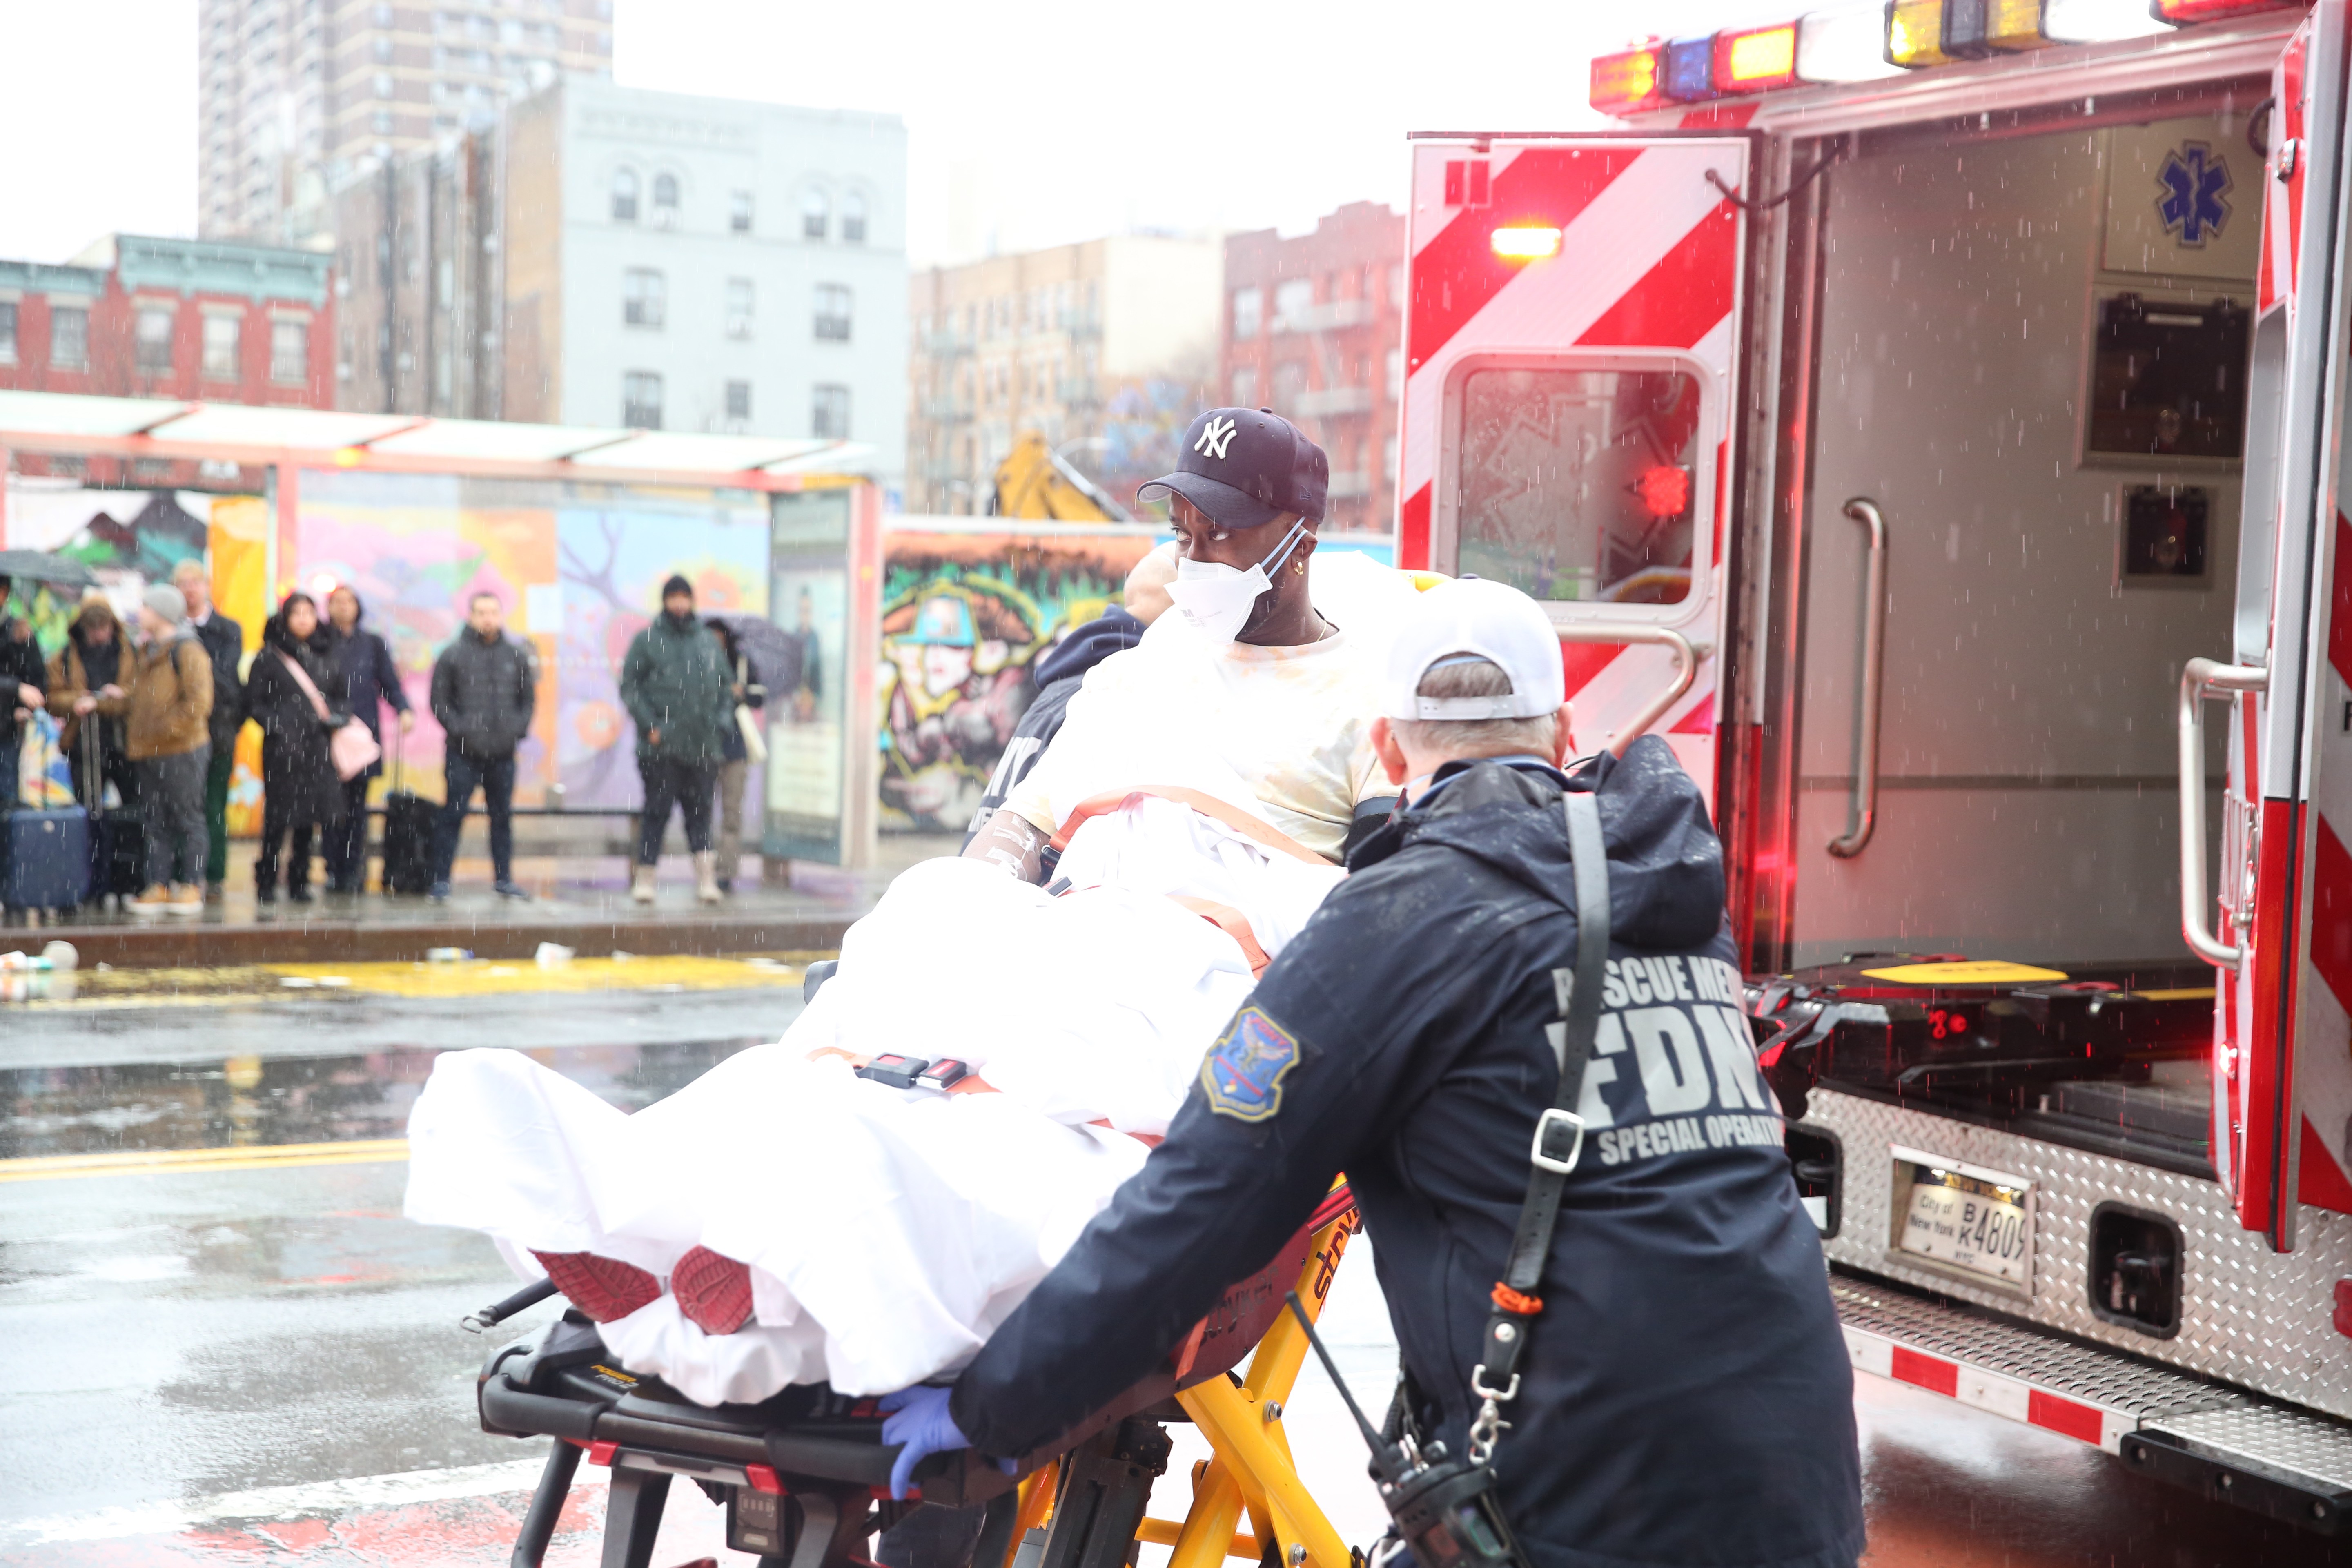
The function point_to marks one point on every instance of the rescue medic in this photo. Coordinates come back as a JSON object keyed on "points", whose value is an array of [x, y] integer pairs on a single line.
{"points": [[1686, 1396]]}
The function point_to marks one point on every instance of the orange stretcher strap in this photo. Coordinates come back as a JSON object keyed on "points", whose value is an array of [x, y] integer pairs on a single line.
{"points": [[1208, 806], [1234, 923]]}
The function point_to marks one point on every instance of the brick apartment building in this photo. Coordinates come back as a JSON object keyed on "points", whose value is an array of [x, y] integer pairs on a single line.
{"points": [[1314, 329], [199, 320]]}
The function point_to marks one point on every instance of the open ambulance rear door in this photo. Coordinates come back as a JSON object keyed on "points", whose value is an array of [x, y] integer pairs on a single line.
{"points": [[1573, 314], [2280, 933]]}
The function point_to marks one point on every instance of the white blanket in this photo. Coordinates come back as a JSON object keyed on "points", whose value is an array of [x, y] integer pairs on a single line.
{"points": [[888, 1231]]}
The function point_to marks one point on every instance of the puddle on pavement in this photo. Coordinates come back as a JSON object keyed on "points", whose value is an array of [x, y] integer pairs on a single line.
{"points": [[252, 1100]]}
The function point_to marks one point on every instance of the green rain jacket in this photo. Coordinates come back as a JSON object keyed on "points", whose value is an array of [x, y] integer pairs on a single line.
{"points": [[674, 681]]}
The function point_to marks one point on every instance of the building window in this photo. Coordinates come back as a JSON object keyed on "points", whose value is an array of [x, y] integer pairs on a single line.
{"points": [[7, 331], [290, 351], [1249, 312], [1292, 302], [739, 307], [852, 219], [152, 340], [642, 297], [739, 211], [829, 414], [665, 199], [814, 211], [641, 400], [70, 337], [833, 312], [220, 347], [624, 196], [1244, 388], [1396, 375], [738, 400]]}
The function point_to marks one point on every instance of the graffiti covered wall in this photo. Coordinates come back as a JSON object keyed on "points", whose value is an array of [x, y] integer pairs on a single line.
{"points": [[967, 608]]}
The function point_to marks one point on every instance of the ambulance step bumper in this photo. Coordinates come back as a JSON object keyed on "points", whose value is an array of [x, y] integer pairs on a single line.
{"points": [[2233, 1447]]}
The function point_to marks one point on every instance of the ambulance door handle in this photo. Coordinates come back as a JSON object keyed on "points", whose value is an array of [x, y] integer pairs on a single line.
{"points": [[1861, 809], [2199, 676]]}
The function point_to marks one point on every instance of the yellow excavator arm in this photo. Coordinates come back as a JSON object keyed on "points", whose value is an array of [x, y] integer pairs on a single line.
{"points": [[1034, 482]]}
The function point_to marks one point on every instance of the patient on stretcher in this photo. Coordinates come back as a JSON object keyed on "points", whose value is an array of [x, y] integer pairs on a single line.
{"points": [[785, 1220]]}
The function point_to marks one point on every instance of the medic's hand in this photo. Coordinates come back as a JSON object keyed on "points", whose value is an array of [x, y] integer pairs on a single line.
{"points": [[919, 1418]]}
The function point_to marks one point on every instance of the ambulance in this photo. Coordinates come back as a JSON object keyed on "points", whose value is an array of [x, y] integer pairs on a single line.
{"points": [[1928, 418]]}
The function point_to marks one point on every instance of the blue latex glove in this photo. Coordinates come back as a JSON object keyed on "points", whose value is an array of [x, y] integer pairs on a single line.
{"points": [[919, 1419]]}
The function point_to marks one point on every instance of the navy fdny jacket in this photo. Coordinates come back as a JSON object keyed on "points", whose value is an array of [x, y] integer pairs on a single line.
{"points": [[1687, 1399]]}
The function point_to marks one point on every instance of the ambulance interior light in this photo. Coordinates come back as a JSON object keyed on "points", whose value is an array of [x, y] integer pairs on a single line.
{"points": [[1525, 242], [1625, 82], [1756, 60], [1845, 43]]}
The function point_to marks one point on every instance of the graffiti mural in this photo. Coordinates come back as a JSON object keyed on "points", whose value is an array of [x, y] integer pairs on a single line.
{"points": [[966, 611]]}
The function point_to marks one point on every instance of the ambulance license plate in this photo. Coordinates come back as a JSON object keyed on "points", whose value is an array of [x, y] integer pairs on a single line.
{"points": [[1969, 1222]]}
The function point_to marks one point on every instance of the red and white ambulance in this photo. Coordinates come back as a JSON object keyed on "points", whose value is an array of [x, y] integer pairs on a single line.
{"points": [[1928, 417]]}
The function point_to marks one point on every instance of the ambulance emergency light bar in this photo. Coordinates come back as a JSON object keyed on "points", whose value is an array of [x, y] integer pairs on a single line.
{"points": [[1858, 42]]}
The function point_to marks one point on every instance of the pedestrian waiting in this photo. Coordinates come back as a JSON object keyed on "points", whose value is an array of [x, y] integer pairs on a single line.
{"points": [[286, 694], [224, 642], [167, 709], [748, 698], [366, 679], [92, 668], [484, 687], [21, 679], [676, 685]]}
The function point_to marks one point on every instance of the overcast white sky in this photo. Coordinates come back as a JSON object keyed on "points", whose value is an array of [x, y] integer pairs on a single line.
{"points": [[1040, 122]]}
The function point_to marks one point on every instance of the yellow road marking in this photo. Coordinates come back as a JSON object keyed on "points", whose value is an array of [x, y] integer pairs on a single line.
{"points": [[485, 977], [250, 1157]]}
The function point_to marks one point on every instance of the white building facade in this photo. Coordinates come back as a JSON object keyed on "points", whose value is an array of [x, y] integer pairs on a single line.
{"points": [[702, 264]]}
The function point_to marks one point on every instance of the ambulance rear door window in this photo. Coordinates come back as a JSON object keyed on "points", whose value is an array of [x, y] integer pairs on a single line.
{"points": [[1579, 484]]}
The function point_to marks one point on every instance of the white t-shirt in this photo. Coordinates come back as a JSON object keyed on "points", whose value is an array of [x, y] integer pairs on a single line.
{"points": [[1282, 731]]}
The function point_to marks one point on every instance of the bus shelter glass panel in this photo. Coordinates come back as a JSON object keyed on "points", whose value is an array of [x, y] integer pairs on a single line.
{"points": [[808, 687], [1578, 484]]}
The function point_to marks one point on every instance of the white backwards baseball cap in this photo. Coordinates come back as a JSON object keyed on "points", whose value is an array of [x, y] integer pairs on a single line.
{"points": [[1474, 618]]}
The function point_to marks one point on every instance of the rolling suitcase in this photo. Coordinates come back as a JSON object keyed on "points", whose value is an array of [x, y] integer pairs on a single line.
{"points": [[407, 832], [117, 836], [44, 855]]}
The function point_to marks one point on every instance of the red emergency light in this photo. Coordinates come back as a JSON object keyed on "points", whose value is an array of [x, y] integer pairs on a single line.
{"points": [[1665, 490], [2180, 12], [1626, 81], [1756, 60]]}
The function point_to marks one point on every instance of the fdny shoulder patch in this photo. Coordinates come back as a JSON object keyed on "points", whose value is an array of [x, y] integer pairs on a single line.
{"points": [[1242, 1075]]}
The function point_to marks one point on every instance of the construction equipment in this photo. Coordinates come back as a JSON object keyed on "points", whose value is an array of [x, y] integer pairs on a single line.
{"points": [[1037, 481]]}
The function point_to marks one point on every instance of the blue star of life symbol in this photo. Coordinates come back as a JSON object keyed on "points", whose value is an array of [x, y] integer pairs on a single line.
{"points": [[2195, 183]]}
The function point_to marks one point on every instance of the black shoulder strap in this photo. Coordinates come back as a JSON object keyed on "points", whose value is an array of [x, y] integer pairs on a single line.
{"points": [[1559, 1132]]}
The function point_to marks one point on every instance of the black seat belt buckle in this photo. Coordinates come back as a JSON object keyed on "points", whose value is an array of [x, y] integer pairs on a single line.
{"points": [[897, 1071]]}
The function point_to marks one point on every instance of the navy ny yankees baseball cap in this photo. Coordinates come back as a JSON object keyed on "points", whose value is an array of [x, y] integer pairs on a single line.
{"points": [[1245, 467]]}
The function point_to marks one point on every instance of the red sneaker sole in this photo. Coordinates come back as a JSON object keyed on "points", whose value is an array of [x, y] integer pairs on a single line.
{"points": [[714, 1291], [604, 1288]]}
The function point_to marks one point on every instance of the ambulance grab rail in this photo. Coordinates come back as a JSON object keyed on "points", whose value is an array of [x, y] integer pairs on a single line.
{"points": [[1862, 807], [2198, 676], [1687, 655]]}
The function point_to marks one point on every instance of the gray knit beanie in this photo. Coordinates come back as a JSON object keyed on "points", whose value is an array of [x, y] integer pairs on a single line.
{"points": [[167, 602]]}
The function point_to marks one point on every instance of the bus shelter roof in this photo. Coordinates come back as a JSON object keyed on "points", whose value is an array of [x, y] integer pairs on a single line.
{"points": [[166, 429]]}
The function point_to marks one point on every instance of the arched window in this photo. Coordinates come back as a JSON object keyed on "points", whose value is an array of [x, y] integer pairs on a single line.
{"points": [[666, 191], [624, 196], [852, 219], [815, 212]]}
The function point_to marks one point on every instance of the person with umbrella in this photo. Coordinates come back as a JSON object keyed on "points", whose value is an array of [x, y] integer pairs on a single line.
{"points": [[22, 682]]}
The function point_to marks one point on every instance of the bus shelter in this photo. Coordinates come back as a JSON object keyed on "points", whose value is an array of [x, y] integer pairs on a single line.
{"points": [[574, 529]]}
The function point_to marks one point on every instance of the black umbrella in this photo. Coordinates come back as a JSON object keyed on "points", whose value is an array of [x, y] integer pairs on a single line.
{"points": [[45, 566]]}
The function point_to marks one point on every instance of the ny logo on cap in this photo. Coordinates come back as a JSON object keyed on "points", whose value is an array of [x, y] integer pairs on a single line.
{"points": [[1216, 439]]}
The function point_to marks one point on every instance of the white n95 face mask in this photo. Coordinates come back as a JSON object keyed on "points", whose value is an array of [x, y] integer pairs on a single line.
{"points": [[1217, 599]]}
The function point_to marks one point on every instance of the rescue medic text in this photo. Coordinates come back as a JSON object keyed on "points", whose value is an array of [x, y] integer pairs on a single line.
{"points": [[1678, 1018]]}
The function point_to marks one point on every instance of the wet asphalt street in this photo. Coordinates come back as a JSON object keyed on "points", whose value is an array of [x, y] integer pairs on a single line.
{"points": [[225, 1346]]}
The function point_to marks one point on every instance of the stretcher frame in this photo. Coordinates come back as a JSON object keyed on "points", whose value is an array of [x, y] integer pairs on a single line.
{"points": [[1079, 1503]]}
